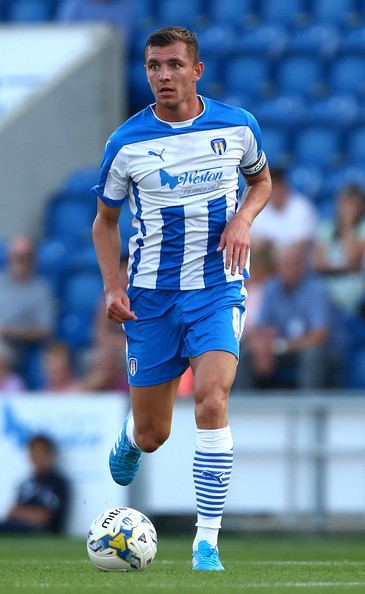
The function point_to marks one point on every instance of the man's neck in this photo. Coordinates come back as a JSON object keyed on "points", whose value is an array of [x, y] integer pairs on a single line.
{"points": [[182, 113]]}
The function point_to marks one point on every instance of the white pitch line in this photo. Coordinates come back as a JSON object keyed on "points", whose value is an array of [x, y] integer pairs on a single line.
{"points": [[196, 586]]}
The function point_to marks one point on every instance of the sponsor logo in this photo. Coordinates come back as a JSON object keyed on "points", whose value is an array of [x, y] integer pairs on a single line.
{"points": [[218, 145], [217, 476], [133, 365], [156, 154], [191, 178]]}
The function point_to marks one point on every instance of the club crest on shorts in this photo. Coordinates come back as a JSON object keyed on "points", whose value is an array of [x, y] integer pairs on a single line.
{"points": [[218, 145], [133, 365]]}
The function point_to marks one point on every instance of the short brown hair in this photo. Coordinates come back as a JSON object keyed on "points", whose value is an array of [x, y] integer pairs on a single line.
{"points": [[169, 35]]}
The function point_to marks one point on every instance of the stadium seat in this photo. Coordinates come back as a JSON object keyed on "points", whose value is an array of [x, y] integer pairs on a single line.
{"points": [[30, 11], [338, 179], [69, 218], [338, 110], [333, 11], [354, 40], [356, 145], [347, 75], [217, 40], [306, 179], [317, 40], [54, 256], [140, 92], [75, 329], [83, 259], [317, 145], [299, 74], [265, 40], [247, 75], [82, 180], [184, 13], [3, 253], [142, 11], [209, 84], [282, 110], [275, 144], [283, 11], [82, 292], [233, 12]]}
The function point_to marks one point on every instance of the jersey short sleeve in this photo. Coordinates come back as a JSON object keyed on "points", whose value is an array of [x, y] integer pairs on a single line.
{"points": [[112, 187], [254, 159]]}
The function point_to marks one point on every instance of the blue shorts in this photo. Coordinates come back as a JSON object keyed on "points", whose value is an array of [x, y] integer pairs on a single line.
{"points": [[173, 326]]}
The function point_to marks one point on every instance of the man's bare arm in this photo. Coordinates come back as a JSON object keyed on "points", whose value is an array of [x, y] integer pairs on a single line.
{"points": [[107, 243], [236, 235]]}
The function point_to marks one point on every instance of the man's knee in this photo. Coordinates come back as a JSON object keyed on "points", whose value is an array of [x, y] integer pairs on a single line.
{"points": [[211, 404], [149, 441]]}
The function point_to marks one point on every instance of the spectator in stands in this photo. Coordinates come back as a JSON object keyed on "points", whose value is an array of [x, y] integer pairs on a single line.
{"points": [[42, 499], [341, 247], [263, 268], [106, 368], [10, 382], [58, 368], [26, 304], [289, 217], [287, 347], [115, 12]]}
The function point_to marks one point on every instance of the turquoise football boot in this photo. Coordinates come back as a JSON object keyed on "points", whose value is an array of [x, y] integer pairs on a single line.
{"points": [[206, 558], [124, 459]]}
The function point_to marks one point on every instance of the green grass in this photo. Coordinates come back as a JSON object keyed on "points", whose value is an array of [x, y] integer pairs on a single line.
{"points": [[258, 565]]}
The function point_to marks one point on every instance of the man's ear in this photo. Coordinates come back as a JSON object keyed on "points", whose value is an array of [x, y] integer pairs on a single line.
{"points": [[198, 71]]}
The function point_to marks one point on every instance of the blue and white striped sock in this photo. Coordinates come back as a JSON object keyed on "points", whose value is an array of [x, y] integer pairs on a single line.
{"points": [[212, 471]]}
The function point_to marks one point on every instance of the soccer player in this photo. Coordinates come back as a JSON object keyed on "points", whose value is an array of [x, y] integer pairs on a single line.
{"points": [[177, 163]]}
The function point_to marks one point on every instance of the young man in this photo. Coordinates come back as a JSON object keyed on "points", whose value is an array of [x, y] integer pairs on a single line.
{"points": [[177, 162]]}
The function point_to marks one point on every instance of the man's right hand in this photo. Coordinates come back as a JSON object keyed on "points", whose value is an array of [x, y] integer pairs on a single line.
{"points": [[118, 307]]}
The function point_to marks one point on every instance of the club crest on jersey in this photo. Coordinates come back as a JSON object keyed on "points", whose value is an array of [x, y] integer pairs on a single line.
{"points": [[218, 145], [133, 365]]}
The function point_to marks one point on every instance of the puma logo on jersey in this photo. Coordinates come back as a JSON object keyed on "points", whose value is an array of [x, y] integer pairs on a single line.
{"points": [[159, 155]]}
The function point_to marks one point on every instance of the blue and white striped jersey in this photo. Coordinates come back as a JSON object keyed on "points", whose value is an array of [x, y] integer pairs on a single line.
{"points": [[181, 180]]}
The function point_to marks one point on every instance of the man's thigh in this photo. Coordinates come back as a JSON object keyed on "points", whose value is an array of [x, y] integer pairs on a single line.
{"points": [[153, 405]]}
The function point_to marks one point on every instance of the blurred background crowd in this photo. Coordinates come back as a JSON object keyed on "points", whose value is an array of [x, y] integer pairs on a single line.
{"points": [[299, 67]]}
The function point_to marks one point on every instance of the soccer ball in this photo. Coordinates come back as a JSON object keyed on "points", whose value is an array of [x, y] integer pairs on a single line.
{"points": [[121, 539]]}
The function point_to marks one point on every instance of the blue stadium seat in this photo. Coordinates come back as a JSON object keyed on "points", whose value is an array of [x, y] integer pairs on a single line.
{"points": [[337, 110], [263, 40], [247, 75], [347, 75], [82, 292], [299, 74], [352, 174], [83, 259], [356, 145], [333, 11], [140, 92], [307, 179], [30, 11], [283, 11], [318, 146], [76, 329], [142, 11], [209, 84], [3, 253], [217, 40], [82, 180], [275, 144], [54, 256], [282, 110], [317, 40], [353, 40], [232, 11], [178, 13], [70, 218]]}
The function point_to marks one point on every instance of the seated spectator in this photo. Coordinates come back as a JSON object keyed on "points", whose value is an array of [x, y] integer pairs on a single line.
{"points": [[58, 368], [10, 382], [287, 347], [42, 499], [289, 217], [26, 303], [340, 249], [106, 369]]}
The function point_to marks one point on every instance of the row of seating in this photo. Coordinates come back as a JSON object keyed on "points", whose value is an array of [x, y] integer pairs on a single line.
{"points": [[193, 12]]}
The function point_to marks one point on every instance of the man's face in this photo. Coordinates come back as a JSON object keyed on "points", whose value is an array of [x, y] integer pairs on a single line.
{"points": [[41, 456], [21, 259], [172, 74]]}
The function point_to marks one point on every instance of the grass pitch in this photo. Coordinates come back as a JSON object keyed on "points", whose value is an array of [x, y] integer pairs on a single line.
{"points": [[259, 565]]}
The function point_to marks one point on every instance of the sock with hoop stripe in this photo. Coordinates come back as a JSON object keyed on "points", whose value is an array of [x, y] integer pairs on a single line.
{"points": [[212, 471]]}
